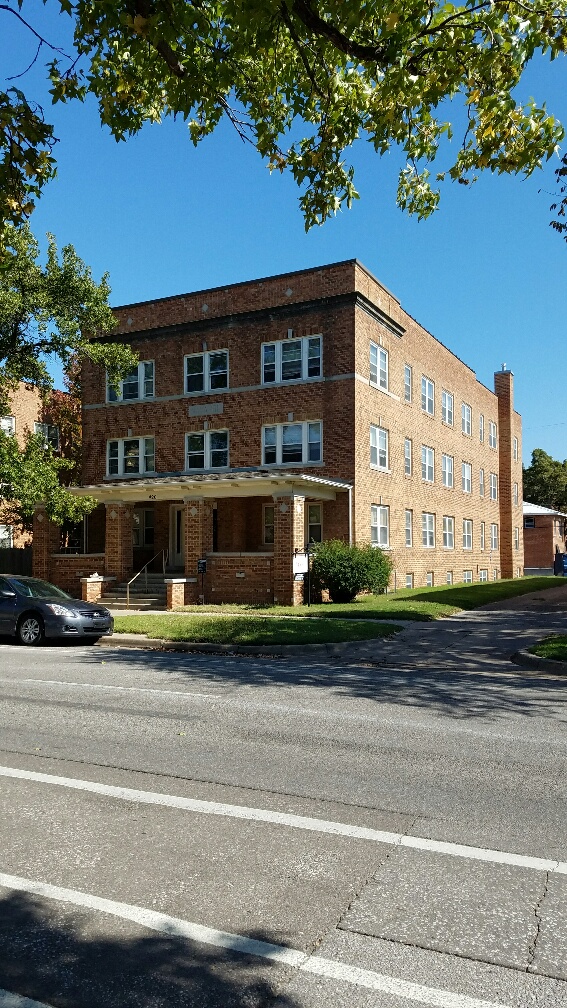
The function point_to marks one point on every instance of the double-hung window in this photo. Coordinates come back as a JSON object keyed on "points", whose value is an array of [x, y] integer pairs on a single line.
{"points": [[466, 418], [138, 383], [481, 482], [378, 366], [447, 464], [206, 450], [493, 486], [130, 456], [378, 447], [407, 456], [482, 535], [292, 360], [49, 433], [515, 449], [427, 464], [494, 537], [481, 427], [447, 407], [8, 424], [467, 533], [466, 477], [483, 574], [207, 371], [379, 525], [407, 383], [516, 538], [492, 434], [293, 442], [448, 532], [427, 395], [515, 494], [409, 528], [428, 529], [467, 576], [314, 521]]}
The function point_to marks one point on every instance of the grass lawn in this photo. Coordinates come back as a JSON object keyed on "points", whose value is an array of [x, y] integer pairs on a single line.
{"points": [[551, 647], [249, 629], [405, 604]]}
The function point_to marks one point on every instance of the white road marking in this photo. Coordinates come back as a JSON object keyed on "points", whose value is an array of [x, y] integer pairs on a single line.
{"points": [[294, 821], [177, 927], [9, 1000]]}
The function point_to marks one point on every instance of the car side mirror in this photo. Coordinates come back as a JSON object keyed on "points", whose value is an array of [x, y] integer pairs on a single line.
{"points": [[5, 593]]}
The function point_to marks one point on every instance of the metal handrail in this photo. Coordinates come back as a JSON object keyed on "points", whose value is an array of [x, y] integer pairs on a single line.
{"points": [[164, 553]]}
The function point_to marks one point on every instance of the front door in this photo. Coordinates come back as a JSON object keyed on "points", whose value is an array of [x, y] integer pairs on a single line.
{"points": [[177, 536]]}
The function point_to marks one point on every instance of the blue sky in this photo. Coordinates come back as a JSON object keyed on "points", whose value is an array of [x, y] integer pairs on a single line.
{"points": [[486, 274]]}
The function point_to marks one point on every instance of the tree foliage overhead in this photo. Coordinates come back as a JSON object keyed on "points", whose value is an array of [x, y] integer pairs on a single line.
{"points": [[302, 80], [50, 310], [545, 481]]}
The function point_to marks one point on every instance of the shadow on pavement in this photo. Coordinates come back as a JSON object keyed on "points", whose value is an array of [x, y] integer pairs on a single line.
{"points": [[59, 956]]}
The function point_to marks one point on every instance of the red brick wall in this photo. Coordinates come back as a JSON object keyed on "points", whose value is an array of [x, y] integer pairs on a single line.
{"points": [[540, 542]]}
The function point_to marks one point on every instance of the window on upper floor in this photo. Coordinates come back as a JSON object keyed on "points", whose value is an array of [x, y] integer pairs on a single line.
{"points": [[129, 456], [482, 535], [408, 383], [481, 482], [8, 424], [447, 464], [379, 525], [516, 538], [448, 532], [481, 427], [447, 407], [466, 477], [428, 529], [50, 434], [516, 495], [427, 464], [378, 447], [467, 533], [494, 537], [529, 522], [207, 371], [515, 449], [293, 442], [378, 366], [466, 418], [493, 486], [292, 359], [409, 528], [492, 433], [407, 456], [427, 395], [137, 384], [206, 450]]}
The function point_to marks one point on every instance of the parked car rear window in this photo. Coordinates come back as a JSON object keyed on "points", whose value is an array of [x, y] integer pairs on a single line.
{"points": [[34, 588]]}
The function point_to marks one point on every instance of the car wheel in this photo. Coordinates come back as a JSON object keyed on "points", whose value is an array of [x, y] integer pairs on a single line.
{"points": [[30, 630]]}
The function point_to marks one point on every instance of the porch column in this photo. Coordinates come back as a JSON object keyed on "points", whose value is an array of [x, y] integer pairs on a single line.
{"points": [[119, 557], [198, 542], [45, 542], [289, 535]]}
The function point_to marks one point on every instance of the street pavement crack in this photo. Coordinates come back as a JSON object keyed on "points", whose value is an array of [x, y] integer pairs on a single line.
{"points": [[538, 920]]}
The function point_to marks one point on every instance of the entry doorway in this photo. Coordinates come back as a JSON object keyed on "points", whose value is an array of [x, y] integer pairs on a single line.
{"points": [[177, 536]]}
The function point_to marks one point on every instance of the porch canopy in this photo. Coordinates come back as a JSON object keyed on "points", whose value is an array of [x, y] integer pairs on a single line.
{"points": [[213, 485]]}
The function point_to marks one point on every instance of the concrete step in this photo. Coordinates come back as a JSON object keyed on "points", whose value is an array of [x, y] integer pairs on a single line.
{"points": [[136, 602]]}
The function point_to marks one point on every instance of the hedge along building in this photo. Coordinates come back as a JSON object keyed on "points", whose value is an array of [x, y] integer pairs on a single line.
{"points": [[295, 408]]}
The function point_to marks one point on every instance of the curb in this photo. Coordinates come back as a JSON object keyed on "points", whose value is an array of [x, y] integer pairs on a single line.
{"points": [[538, 665], [157, 644]]}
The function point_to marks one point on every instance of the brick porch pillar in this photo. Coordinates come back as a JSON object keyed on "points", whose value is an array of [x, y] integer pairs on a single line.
{"points": [[289, 535], [119, 557], [198, 543], [45, 542]]}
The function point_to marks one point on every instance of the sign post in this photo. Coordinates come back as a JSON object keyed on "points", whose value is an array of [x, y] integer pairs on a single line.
{"points": [[302, 568], [202, 570]]}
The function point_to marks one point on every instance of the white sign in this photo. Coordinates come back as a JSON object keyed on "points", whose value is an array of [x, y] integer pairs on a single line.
{"points": [[300, 563]]}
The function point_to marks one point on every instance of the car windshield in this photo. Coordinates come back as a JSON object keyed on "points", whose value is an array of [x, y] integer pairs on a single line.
{"points": [[34, 588]]}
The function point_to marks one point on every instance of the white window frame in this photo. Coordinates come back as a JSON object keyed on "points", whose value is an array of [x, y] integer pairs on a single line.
{"points": [[428, 395], [495, 574], [143, 454], [449, 578], [516, 537], [466, 477], [427, 464], [380, 526], [494, 536], [8, 424], [481, 482], [467, 534], [466, 419], [409, 527], [379, 448], [516, 494], [408, 383], [430, 579], [409, 580], [46, 432], [305, 442], [468, 576], [447, 471], [448, 532], [207, 373], [447, 405], [483, 574], [428, 530], [408, 451], [140, 369], [482, 535], [378, 373], [278, 362], [493, 486], [208, 451], [481, 427], [515, 449], [492, 434]]}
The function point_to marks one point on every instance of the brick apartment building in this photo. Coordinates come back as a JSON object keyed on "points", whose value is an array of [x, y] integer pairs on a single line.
{"points": [[25, 415], [545, 537], [303, 406]]}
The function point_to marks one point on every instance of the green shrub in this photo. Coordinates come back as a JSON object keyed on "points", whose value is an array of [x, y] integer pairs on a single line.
{"points": [[347, 570]]}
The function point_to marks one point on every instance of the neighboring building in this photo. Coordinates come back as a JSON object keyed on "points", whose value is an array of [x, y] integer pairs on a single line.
{"points": [[298, 407], [545, 535], [25, 415]]}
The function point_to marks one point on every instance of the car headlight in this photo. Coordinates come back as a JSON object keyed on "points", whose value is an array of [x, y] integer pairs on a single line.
{"points": [[60, 610]]}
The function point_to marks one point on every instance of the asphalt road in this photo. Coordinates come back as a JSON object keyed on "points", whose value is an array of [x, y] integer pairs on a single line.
{"points": [[208, 832]]}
